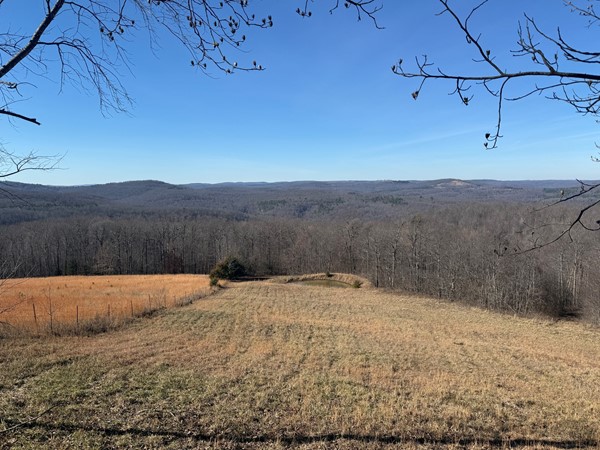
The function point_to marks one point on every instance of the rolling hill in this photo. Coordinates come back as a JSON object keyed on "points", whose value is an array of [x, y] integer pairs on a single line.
{"points": [[310, 199]]}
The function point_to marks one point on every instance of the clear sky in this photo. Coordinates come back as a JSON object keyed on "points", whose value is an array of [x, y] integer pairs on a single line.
{"points": [[328, 107]]}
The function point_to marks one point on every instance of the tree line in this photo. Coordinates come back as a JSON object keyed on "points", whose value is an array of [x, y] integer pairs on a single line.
{"points": [[476, 253]]}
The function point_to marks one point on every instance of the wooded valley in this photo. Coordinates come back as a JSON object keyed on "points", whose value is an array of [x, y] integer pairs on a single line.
{"points": [[461, 241]]}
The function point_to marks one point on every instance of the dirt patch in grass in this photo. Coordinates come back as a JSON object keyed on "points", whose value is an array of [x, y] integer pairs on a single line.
{"points": [[267, 365], [325, 283], [354, 281]]}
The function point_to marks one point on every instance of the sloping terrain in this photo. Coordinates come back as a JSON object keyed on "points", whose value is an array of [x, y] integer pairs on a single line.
{"points": [[303, 199], [270, 365]]}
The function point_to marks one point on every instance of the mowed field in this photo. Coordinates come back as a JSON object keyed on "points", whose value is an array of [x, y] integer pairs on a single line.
{"points": [[267, 365], [64, 304]]}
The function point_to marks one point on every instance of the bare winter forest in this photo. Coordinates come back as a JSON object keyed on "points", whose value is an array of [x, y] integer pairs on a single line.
{"points": [[349, 314], [480, 242]]}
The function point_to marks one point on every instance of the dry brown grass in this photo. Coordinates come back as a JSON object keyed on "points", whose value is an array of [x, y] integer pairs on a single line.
{"points": [[265, 365], [349, 279], [63, 303]]}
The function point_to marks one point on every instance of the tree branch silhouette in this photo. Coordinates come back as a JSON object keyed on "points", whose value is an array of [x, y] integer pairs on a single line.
{"points": [[578, 88]]}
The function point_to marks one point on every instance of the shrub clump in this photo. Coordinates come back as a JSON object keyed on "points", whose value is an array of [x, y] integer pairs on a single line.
{"points": [[228, 269]]}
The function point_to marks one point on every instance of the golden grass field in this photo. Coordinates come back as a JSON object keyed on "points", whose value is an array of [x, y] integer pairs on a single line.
{"points": [[270, 365], [63, 303]]}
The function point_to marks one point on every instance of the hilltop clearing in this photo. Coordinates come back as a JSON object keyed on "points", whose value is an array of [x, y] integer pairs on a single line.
{"points": [[270, 365]]}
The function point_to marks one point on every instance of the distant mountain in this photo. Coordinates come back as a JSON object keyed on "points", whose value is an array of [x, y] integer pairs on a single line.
{"points": [[385, 199]]}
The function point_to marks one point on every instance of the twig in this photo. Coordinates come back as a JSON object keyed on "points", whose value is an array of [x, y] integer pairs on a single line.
{"points": [[27, 422]]}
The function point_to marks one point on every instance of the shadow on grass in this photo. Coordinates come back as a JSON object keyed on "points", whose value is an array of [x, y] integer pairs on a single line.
{"points": [[299, 439]]}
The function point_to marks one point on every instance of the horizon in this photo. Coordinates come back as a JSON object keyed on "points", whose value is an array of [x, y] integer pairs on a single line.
{"points": [[474, 180]]}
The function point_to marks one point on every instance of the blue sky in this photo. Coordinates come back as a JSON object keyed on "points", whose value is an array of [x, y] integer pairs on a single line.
{"points": [[328, 107]]}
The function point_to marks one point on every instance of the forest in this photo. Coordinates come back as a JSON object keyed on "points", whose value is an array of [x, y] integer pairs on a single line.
{"points": [[447, 240]]}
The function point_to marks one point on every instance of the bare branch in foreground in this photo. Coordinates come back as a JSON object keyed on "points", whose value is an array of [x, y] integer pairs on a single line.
{"points": [[578, 88]]}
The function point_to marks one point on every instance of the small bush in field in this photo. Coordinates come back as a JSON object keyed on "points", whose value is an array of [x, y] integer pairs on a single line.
{"points": [[228, 269], [356, 284]]}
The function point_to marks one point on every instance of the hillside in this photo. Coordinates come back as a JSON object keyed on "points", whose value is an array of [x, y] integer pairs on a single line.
{"points": [[304, 199], [264, 365]]}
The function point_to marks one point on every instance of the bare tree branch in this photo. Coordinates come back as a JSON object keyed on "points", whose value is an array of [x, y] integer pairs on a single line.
{"points": [[89, 39], [580, 89], [567, 231], [12, 163], [556, 68], [29, 421], [35, 38], [367, 8], [19, 116]]}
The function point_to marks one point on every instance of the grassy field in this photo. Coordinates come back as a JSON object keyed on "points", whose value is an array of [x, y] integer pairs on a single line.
{"points": [[268, 365], [63, 304]]}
